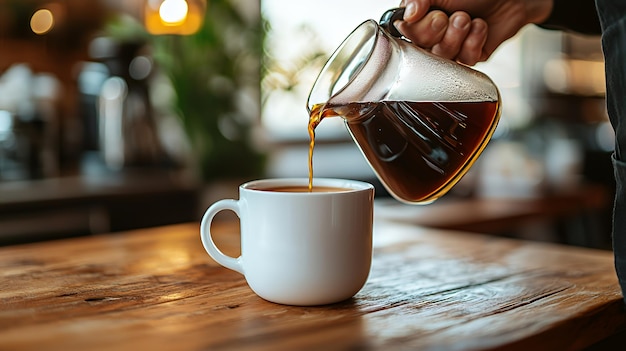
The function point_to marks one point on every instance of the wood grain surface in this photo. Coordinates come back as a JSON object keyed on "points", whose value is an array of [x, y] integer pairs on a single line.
{"points": [[428, 290]]}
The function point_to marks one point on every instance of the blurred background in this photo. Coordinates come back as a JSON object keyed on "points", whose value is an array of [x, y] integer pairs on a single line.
{"points": [[117, 115]]}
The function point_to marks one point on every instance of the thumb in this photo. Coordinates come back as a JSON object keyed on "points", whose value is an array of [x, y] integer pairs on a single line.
{"points": [[415, 10]]}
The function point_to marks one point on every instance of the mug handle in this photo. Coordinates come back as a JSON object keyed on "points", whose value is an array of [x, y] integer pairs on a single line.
{"points": [[207, 238]]}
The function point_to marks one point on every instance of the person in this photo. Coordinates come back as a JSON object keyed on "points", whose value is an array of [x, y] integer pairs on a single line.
{"points": [[470, 31]]}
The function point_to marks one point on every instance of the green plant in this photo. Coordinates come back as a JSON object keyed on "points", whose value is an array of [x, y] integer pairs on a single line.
{"points": [[215, 74]]}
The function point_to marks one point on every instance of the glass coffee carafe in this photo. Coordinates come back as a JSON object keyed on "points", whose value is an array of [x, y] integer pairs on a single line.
{"points": [[420, 120]]}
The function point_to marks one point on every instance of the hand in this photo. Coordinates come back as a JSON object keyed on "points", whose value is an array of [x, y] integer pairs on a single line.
{"points": [[469, 31]]}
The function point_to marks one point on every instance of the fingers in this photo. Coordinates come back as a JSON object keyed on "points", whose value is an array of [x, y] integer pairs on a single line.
{"points": [[455, 36], [472, 49], [464, 40], [415, 9], [427, 31]]}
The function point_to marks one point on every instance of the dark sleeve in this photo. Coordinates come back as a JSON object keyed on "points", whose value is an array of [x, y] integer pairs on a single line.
{"points": [[574, 15]]}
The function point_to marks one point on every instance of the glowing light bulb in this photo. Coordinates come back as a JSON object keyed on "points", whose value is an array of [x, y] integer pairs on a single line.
{"points": [[180, 17], [173, 11]]}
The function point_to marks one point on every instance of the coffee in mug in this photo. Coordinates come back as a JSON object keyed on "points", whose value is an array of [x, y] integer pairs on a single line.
{"points": [[302, 189]]}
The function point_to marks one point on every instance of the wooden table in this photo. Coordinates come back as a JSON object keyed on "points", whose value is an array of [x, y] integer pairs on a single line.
{"points": [[156, 289]]}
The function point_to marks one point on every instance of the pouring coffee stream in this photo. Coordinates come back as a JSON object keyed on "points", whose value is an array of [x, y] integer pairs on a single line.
{"points": [[421, 121]]}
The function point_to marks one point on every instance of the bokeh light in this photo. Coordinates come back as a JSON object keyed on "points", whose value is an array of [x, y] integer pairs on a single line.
{"points": [[42, 21], [173, 11], [182, 17]]}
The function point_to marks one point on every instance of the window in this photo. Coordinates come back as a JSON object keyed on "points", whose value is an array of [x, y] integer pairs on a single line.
{"points": [[301, 36]]}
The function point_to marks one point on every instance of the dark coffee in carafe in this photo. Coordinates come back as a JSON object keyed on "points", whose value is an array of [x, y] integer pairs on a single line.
{"points": [[416, 148]]}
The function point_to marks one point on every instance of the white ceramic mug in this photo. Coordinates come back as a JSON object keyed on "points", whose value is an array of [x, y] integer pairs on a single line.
{"points": [[300, 248]]}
